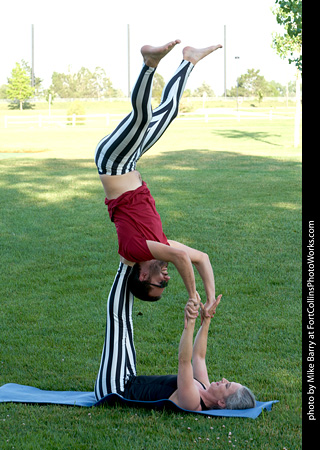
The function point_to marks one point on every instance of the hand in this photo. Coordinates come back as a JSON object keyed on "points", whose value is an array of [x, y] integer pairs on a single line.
{"points": [[191, 310], [209, 309]]}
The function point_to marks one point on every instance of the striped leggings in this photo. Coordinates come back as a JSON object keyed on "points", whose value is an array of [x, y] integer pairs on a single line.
{"points": [[119, 152], [118, 360]]}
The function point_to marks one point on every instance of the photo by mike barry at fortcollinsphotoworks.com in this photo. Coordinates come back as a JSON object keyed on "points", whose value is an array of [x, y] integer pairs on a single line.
{"points": [[310, 386]]}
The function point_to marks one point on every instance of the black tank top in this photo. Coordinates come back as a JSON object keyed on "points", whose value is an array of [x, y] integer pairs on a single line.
{"points": [[150, 387], [154, 387]]}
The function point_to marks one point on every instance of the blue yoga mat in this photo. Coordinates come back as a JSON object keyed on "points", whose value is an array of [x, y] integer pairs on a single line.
{"points": [[18, 393]]}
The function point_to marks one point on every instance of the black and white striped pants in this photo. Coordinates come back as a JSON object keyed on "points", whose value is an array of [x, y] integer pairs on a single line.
{"points": [[119, 152], [118, 359]]}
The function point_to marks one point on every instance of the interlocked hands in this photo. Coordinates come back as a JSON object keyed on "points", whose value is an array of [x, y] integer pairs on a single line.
{"points": [[207, 310]]}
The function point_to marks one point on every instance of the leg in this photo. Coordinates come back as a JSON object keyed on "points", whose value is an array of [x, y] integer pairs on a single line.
{"points": [[168, 109], [115, 153], [118, 360], [118, 152]]}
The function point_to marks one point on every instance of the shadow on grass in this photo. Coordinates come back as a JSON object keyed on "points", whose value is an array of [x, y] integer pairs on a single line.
{"points": [[200, 173], [254, 135]]}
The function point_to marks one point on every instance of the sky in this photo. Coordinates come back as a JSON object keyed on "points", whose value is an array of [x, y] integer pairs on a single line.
{"points": [[72, 34]]}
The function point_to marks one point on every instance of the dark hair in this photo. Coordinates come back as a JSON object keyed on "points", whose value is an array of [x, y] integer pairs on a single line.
{"points": [[140, 289]]}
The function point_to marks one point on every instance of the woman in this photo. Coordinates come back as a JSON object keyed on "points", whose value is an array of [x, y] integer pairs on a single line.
{"points": [[191, 388]]}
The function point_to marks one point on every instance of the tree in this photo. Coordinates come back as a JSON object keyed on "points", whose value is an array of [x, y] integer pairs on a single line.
{"points": [[157, 88], [289, 14], [103, 85], [37, 80], [278, 90], [252, 84], [3, 91], [19, 89], [76, 109], [204, 88], [83, 84], [49, 95]]}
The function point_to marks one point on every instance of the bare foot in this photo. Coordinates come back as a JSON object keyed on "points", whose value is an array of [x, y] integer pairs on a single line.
{"points": [[194, 55], [153, 55]]}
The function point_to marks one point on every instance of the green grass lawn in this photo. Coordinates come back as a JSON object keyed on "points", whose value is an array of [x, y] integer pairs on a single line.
{"points": [[229, 188]]}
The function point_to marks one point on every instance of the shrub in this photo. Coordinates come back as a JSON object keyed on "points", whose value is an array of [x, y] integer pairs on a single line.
{"points": [[76, 109]]}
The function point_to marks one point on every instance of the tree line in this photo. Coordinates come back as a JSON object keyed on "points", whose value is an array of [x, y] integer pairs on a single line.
{"points": [[83, 84], [96, 84]]}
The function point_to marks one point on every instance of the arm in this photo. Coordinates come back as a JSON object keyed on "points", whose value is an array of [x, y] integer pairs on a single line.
{"points": [[181, 260], [200, 345], [187, 393], [202, 263]]}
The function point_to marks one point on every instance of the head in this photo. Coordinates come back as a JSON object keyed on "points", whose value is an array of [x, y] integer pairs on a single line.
{"points": [[230, 395], [148, 280]]}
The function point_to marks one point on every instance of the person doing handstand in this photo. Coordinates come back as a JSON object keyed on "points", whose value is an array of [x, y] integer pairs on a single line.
{"points": [[190, 389], [142, 242], [143, 247]]}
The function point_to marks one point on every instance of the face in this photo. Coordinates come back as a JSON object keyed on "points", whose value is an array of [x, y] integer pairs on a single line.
{"points": [[219, 390], [156, 274]]}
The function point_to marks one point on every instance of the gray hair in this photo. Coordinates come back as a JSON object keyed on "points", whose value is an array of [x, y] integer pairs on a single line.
{"points": [[243, 398]]}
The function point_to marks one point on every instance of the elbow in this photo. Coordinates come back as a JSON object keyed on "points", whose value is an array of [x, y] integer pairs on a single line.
{"points": [[184, 361], [205, 257], [185, 356], [181, 257], [203, 260], [198, 359]]}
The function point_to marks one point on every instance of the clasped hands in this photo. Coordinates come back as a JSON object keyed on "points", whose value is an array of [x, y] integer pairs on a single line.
{"points": [[207, 310]]}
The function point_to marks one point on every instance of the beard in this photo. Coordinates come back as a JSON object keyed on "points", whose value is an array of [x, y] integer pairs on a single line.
{"points": [[155, 268]]}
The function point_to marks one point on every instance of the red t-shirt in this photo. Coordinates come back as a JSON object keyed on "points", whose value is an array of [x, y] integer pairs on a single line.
{"points": [[137, 221]]}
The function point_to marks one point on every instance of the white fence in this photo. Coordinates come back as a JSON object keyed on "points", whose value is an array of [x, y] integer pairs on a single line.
{"points": [[44, 120], [283, 100], [103, 120]]}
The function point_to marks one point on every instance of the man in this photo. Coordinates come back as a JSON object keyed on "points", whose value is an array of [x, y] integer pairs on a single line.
{"points": [[142, 242], [191, 388], [143, 247]]}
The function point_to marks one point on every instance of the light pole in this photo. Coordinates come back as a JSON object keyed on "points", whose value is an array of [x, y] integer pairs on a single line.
{"points": [[225, 61], [128, 44], [237, 58], [32, 55]]}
